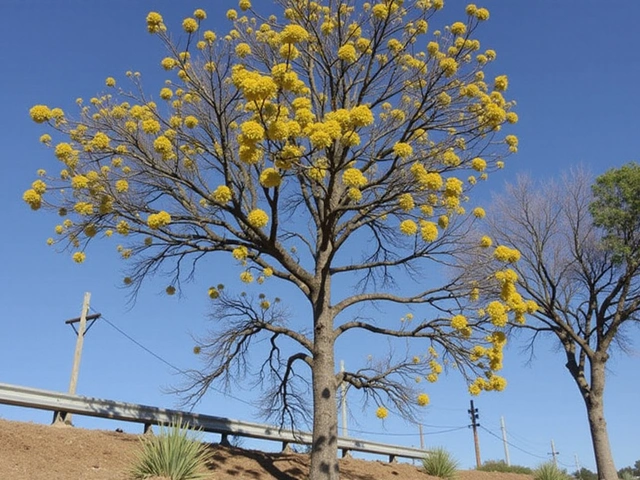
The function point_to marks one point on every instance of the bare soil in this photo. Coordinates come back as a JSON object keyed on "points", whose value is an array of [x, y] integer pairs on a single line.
{"points": [[41, 452]]}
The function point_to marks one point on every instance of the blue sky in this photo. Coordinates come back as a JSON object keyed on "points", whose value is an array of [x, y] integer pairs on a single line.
{"points": [[573, 69]]}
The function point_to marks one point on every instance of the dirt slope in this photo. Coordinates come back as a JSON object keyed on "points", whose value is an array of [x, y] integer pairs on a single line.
{"points": [[41, 452]]}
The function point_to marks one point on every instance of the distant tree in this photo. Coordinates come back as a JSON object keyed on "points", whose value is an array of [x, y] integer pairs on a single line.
{"points": [[632, 471], [585, 474], [338, 143], [581, 264]]}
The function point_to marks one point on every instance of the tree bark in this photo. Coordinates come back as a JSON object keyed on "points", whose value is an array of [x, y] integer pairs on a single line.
{"points": [[597, 424], [324, 452]]}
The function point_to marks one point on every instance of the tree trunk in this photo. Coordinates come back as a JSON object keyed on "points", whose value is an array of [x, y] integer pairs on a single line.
{"points": [[597, 424], [324, 453]]}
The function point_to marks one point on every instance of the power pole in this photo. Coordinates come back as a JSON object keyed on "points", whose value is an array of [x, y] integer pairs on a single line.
{"points": [[554, 454], [343, 402], [473, 412], [421, 436], [504, 441], [65, 417], [575, 456]]}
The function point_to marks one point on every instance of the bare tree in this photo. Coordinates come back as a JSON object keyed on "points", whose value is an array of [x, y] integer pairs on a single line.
{"points": [[584, 278], [330, 145]]}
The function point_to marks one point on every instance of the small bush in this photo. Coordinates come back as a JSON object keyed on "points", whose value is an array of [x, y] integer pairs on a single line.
{"points": [[174, 453], [548, 471], [440, 463], [501, 466]]}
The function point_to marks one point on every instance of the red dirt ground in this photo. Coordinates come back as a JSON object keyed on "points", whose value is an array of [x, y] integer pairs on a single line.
{"points": [[41, 452]]}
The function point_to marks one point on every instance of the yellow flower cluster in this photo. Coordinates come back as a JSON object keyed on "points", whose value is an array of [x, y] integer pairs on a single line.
{"points": [[403, 150], [428, 180], [353, 177], [506, 254], [382, 413], [258, 218], [408, 227], [423, 399], [270, 178], [158, 220]]}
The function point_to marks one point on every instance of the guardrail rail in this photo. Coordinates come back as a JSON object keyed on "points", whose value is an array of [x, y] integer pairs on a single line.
{"points": [[147, 415]]}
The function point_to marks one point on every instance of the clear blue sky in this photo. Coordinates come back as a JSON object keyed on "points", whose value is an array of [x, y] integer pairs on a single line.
{"points": [[574, 69]]}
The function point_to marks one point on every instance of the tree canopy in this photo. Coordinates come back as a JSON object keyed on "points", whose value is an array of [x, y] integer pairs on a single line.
{"points": [[341, 140]]}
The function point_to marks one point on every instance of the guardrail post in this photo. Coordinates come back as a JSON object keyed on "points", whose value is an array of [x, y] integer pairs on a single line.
{"points": [[286, 448], [148, 428], [224, 440], [346, 453], [393, 459]]}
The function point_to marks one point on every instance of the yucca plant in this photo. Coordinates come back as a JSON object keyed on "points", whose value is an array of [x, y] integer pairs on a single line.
{"points": [[440, 463], [176, 453], [549, 471]]}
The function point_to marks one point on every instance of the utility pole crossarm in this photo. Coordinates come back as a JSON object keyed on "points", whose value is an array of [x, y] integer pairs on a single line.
{"points": [[89, 318]]}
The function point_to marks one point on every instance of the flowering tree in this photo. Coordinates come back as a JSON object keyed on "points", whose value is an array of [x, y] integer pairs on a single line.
{"points": [[329, 144], [581, 264]]}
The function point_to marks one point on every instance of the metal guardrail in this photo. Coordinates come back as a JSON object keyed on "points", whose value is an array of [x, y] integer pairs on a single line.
{"points": [[129, 412]]}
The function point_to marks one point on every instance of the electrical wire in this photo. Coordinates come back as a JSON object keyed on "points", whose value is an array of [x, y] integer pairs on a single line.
{"points": [[447, 428], [391, 434], [511, 444], [166, 362]]}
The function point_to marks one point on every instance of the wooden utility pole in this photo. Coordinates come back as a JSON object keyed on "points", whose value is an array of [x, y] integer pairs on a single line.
{"points": [[421, 436], [343, 402], [504, 442], [65, 417], [554, 454], [473, 412]]}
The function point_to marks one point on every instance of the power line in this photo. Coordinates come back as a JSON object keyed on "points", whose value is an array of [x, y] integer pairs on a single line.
{"points": [[511, 444], [166, 362], [390, 434]]}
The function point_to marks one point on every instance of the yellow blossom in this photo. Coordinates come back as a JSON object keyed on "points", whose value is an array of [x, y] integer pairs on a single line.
{"points": [[40, 113], [170, 290], [154, 22], [110, 82], [486, 242], [158, 220], [408, 227], [382, 413], [33, 199], [270, 178], [482, 14], [240, 253], [405, 202], [402, 149], [79, 257], [479, 212], [258, 218], [458, 28], [423, 400], [243, 50], [347, 53], [246, 277], [190, 121], [428, 231], [293, 34], [459, 322], [449, 66], [478, 164], [506, 254], [353, 177], [122, 186]]}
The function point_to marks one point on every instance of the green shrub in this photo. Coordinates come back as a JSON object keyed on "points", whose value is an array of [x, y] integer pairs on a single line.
{"points": [[548, 471], [501, 466], [174, 453], [440, 463]]}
